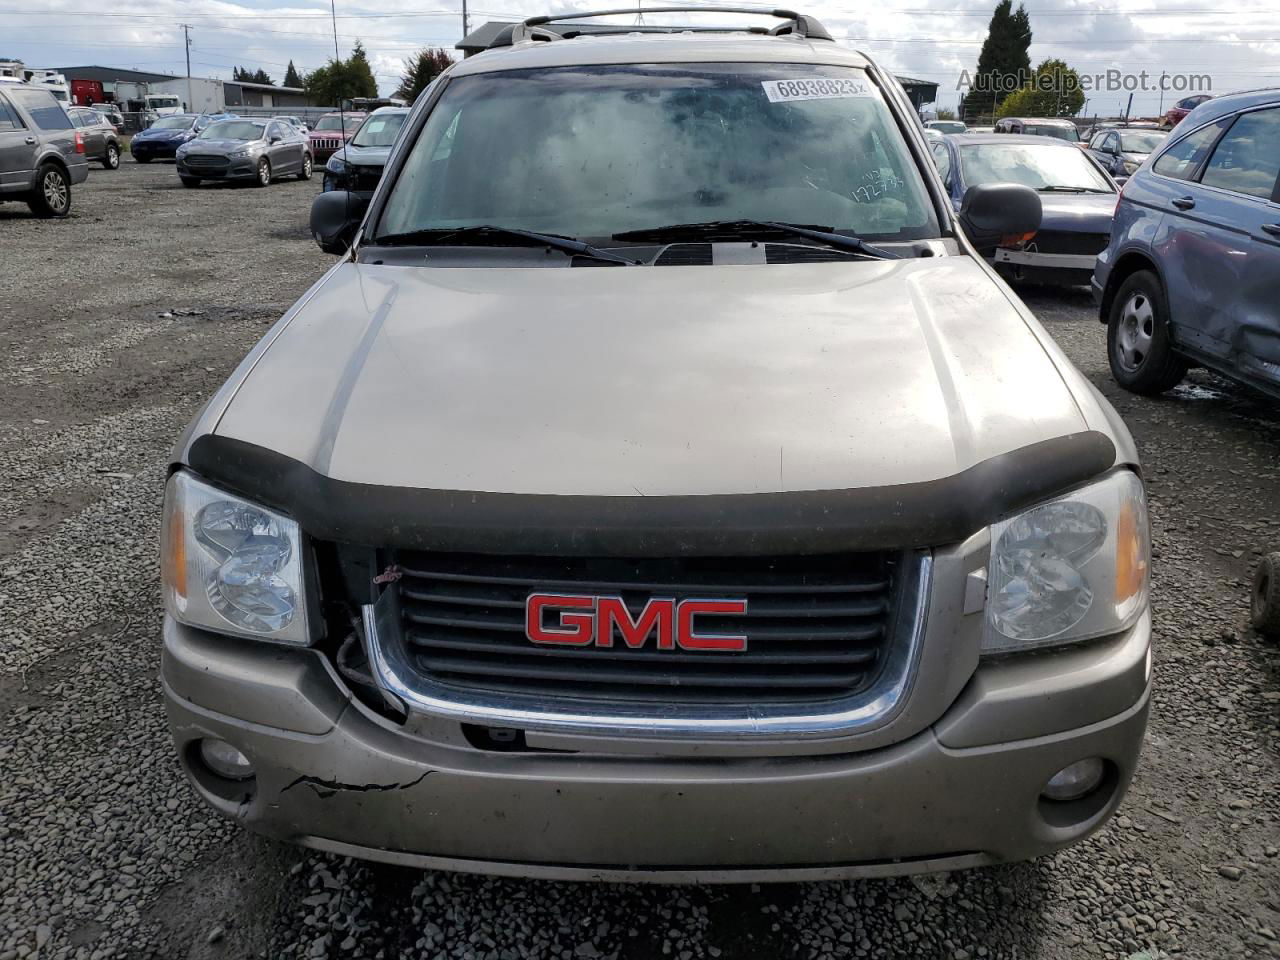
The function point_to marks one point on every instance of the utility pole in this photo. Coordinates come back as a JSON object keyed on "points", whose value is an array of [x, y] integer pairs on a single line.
{"points": [[186, 44], [465, 30]]}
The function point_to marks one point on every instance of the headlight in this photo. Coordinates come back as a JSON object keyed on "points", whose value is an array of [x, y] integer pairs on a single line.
{"points": [[240, 155], [231, 565], [1070, 569], [336, 165]]}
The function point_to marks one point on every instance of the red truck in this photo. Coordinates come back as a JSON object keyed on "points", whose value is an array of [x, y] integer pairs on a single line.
{"points": [[331, 133], [86, 93]]}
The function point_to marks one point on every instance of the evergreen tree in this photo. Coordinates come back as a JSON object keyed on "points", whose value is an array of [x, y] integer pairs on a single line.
{"points": [[1003, 64], [340, 80], [291, 76], [251, 76], [424, 66]]}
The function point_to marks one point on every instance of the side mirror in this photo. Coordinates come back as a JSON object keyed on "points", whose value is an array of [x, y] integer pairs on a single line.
{"points": [[335, 217], [992, 213], [275, 139]]}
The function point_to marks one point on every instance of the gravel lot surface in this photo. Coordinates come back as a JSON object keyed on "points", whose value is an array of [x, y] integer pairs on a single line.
{"points": [[118, 322]]}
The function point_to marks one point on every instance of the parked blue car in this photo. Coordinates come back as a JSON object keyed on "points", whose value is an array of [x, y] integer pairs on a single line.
{"points": [[161, 140], [1077, 199], [1192, 274]]}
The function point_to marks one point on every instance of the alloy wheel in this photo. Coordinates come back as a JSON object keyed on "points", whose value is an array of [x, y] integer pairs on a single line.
{"points": [[1136, 331], [264, 172], [56, 194]]}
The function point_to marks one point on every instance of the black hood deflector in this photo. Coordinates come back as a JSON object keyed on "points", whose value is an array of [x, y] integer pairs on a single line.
{"points": [[925, 514]]}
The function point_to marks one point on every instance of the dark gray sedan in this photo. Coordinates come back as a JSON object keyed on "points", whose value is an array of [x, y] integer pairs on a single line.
{"points": [[242, 149]]}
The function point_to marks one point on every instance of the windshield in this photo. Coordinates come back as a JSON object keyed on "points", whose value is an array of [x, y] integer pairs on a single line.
{"points": [[1143, 142], [947, 126], [380, 130], [1042, 168], [1063, 132], [162, 102], [232, 130], [592, 151], [171, 123]]}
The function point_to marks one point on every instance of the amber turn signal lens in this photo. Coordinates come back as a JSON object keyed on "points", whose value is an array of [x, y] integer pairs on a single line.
{"points": [[1131, 554], [1016, 241], [173, 559]]}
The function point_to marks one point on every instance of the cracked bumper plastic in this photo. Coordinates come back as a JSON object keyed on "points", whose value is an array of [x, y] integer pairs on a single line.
{"points": [[963, 792]]}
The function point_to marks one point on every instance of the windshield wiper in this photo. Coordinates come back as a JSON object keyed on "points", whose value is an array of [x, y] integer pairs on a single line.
{"points": [[1057, 189], [746, 228], [488, 235]]}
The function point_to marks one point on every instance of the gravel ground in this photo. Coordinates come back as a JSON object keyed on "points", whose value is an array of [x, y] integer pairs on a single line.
{"points": [[118, 322]]}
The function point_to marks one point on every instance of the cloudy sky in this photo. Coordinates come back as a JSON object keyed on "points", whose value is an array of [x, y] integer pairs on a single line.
{"points": [[1235, 47]]}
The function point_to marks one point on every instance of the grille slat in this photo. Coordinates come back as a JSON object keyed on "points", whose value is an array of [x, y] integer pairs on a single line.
{"points": [[816, 627], [869, 586], [647, 675], [622, 652]]}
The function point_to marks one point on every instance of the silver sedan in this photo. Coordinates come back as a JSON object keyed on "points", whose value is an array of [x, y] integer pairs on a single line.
{"points": [[244, 149]]}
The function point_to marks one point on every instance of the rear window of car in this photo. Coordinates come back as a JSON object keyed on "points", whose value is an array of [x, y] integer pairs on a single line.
{"points": [[1052, 130], [172, 123], [43, 108]]}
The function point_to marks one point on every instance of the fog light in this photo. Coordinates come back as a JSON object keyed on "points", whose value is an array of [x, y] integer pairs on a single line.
{"points": [[1075, 781], [225, 760]]}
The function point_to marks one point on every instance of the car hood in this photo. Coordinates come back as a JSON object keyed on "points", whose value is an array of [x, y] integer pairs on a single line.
{"points": [[365, 156], [151, 134], [651, 381], [221, 147], [1082, 212]]}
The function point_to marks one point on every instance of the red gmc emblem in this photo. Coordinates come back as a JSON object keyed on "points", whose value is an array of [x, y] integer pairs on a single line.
{"points": [[574, 620]]}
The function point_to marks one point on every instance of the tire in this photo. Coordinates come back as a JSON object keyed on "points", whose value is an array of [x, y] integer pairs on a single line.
{"points": [[1138, 344], [1264, 601], [190, 181], [52, 196], [263, 179], [112, 159], [307, 167]]}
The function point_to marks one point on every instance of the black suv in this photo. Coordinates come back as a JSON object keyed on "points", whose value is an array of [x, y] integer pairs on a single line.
{"points": [[41, 153]]}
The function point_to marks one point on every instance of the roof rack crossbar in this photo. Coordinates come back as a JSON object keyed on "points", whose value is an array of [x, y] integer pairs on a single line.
{"points": [[798, 24]]}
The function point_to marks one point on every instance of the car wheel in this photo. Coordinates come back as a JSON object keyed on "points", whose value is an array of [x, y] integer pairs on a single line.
{"points": [[305, 172], [264, 173], [190, 181], [1264, 603], [112, 160], [1138, 345], [52, 197]]}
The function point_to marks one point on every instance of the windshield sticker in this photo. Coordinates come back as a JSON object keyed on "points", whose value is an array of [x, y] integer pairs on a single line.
{"points": [[817, 88]]}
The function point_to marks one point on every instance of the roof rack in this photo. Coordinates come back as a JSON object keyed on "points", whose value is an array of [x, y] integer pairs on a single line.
{"points": [[536, 28]]}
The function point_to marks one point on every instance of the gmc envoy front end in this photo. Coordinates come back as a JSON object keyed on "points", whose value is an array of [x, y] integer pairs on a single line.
{"points": [[660, 486]]}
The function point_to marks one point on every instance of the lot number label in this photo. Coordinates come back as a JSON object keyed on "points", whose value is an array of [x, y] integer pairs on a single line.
{"points": [[817, 88]]}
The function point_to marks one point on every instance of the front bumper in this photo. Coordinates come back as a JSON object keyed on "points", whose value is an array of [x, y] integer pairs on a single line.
{"points": [[155, 149], [965, 791], [236, 170], [1033, 267]]}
